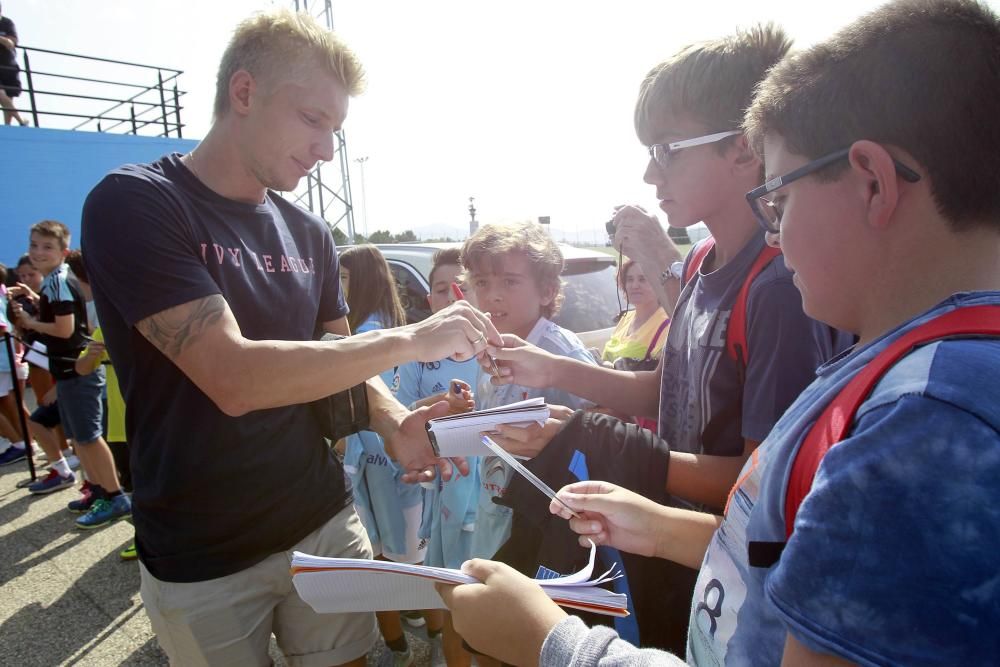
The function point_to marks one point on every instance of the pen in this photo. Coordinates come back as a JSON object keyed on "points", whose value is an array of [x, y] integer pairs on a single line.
{"points": [[494, 369]]}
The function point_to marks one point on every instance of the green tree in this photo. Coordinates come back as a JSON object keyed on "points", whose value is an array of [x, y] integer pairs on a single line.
{"points": [[339, 237], [380, 236], [406, 237]]}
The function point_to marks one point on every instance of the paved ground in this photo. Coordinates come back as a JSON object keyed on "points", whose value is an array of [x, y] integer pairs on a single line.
{"points": [[65, 597]]}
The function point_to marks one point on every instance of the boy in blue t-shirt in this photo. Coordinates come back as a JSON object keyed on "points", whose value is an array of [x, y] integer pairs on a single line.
{"points": [[449, 510], [62, 326], [515, 271], [885, 203]]}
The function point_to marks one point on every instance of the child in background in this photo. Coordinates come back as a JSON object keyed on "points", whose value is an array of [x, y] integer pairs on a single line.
{"points": [[514, 272], [14, 449], [449, 507], [389, 508], [62, 325], [94, 357]]}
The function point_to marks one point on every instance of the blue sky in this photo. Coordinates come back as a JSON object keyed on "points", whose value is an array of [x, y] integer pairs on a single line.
{"points": [[526, 105]]}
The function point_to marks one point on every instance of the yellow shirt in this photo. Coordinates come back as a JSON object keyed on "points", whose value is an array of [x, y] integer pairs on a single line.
{"points": [[116, 403], [634, 347]]}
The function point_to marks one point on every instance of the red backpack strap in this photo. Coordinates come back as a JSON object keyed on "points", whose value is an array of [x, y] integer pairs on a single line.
{"points": [[656, 337], [697, 257], [736, 330], [835, 421]]}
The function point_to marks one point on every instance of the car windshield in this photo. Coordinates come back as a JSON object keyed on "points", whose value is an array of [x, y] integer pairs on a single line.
{"points": [[591, 301]]}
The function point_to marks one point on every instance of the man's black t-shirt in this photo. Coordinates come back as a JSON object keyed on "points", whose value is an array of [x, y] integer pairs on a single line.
{"points": [[213, 494]]}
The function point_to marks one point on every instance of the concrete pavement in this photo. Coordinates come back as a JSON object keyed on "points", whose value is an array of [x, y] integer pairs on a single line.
{"points": [[65, 597]]}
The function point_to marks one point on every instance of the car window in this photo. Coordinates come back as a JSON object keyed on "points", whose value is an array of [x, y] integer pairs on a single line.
{"points": [[591, 299], [411, 292]]}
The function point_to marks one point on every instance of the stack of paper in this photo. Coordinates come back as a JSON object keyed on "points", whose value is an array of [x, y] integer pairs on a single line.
{"points": [[459, 435], [336, 585]]}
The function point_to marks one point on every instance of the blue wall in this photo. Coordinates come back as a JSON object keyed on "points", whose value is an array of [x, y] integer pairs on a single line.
{"points": [[48, 173]]}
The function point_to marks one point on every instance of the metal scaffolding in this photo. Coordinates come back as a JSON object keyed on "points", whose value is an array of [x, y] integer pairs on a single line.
{"points": [[327, 188]]}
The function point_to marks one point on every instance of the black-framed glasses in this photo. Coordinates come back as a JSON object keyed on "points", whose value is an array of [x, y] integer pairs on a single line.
{"points": [[661, 153], [768, 215]]}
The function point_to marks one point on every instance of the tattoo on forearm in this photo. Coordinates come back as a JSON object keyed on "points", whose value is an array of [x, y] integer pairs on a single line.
{"points": [[173, 330]]}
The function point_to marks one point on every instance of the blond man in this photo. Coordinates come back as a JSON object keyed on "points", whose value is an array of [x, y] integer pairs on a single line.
{"points": [[210, 287]]}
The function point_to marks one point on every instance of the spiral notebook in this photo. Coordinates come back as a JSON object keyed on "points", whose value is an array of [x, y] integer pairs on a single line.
{"points": [[459, 435], [338, 585]]}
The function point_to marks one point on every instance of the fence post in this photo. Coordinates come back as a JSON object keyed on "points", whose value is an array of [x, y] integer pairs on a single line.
{"points": [[131, 113], [177, 110], [31, 88], [163, 105]]}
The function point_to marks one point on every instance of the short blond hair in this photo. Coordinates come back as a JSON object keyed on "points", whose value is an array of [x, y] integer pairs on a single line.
{"points": [[276, 44], [711, 82], [484, 251]]}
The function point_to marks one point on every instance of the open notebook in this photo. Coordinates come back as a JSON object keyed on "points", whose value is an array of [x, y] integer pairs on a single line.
{"points": [[335, 585], [459, 435]]}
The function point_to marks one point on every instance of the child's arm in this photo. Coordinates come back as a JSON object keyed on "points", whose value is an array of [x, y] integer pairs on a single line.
{"points": [[62, 327], [90, 359], [629, 392], [458, 402]]}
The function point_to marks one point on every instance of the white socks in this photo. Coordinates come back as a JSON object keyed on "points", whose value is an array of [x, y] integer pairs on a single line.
{"points": [[62, 467]]}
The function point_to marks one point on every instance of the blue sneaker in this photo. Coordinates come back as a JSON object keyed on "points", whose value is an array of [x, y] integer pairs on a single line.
{"points": [[12, 455], [53, 482], [105, 511]]}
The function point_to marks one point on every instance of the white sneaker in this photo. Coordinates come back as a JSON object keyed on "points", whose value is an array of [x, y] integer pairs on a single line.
{"points": [[413, 618], [4, 444], [73, 462]]}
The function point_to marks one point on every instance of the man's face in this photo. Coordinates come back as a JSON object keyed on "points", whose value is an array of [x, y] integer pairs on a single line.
{"points": [[698, 183], [821, 228], [507, 290], [45, 252], [289, 127], [29, 275]]}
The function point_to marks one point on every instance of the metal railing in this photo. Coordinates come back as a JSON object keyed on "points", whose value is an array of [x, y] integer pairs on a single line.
{"points": [[128, 98]]}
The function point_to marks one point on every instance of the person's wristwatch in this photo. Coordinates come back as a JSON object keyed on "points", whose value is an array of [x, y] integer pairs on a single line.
{"points": [[673, 272]]}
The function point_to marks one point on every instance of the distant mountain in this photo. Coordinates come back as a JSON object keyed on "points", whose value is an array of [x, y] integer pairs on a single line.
{"points": [[441, 231]]}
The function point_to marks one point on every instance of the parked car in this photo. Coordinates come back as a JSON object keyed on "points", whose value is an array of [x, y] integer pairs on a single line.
{"points": [[589, 307]]}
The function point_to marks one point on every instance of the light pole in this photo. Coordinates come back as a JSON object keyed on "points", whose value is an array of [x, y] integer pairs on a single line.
{"points": [[364, 199]]}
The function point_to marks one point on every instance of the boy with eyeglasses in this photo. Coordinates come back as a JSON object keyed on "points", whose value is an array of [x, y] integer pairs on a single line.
{"points": [[892, 559], [713, 409]]}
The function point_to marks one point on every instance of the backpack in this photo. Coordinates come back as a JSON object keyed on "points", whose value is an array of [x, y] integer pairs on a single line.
{"points": [[736, 329], [834, 424]]}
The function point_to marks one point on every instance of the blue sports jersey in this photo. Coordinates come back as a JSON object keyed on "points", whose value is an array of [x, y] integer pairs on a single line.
{"points": [[449, 507], [492, 520], [893, 559], [380, 496]]}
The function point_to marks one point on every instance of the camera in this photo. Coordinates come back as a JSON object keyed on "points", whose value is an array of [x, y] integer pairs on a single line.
{"points": [[610, 226]]}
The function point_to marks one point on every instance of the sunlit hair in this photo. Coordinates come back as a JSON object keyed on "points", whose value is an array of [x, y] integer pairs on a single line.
{"points": [[484, 252], [445, 257], [710, 82], [372, 288], [52, 229], [920, 75], [277, 45]]}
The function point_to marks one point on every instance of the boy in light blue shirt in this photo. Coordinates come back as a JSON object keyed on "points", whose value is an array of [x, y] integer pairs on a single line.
{"points": [[514, 272]]}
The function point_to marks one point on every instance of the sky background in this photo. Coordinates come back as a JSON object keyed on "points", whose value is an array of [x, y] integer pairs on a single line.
{"points": [[527, 106]]}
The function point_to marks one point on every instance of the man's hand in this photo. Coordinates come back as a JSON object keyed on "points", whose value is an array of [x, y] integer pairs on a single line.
{"points": [[506, 617], [612, 515], [521, 363], [458, 331], [530, 440], [409, 446], [95, 348]]}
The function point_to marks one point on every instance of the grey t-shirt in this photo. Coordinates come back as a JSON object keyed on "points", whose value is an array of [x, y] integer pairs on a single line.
{"points": [[703, 407]]}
